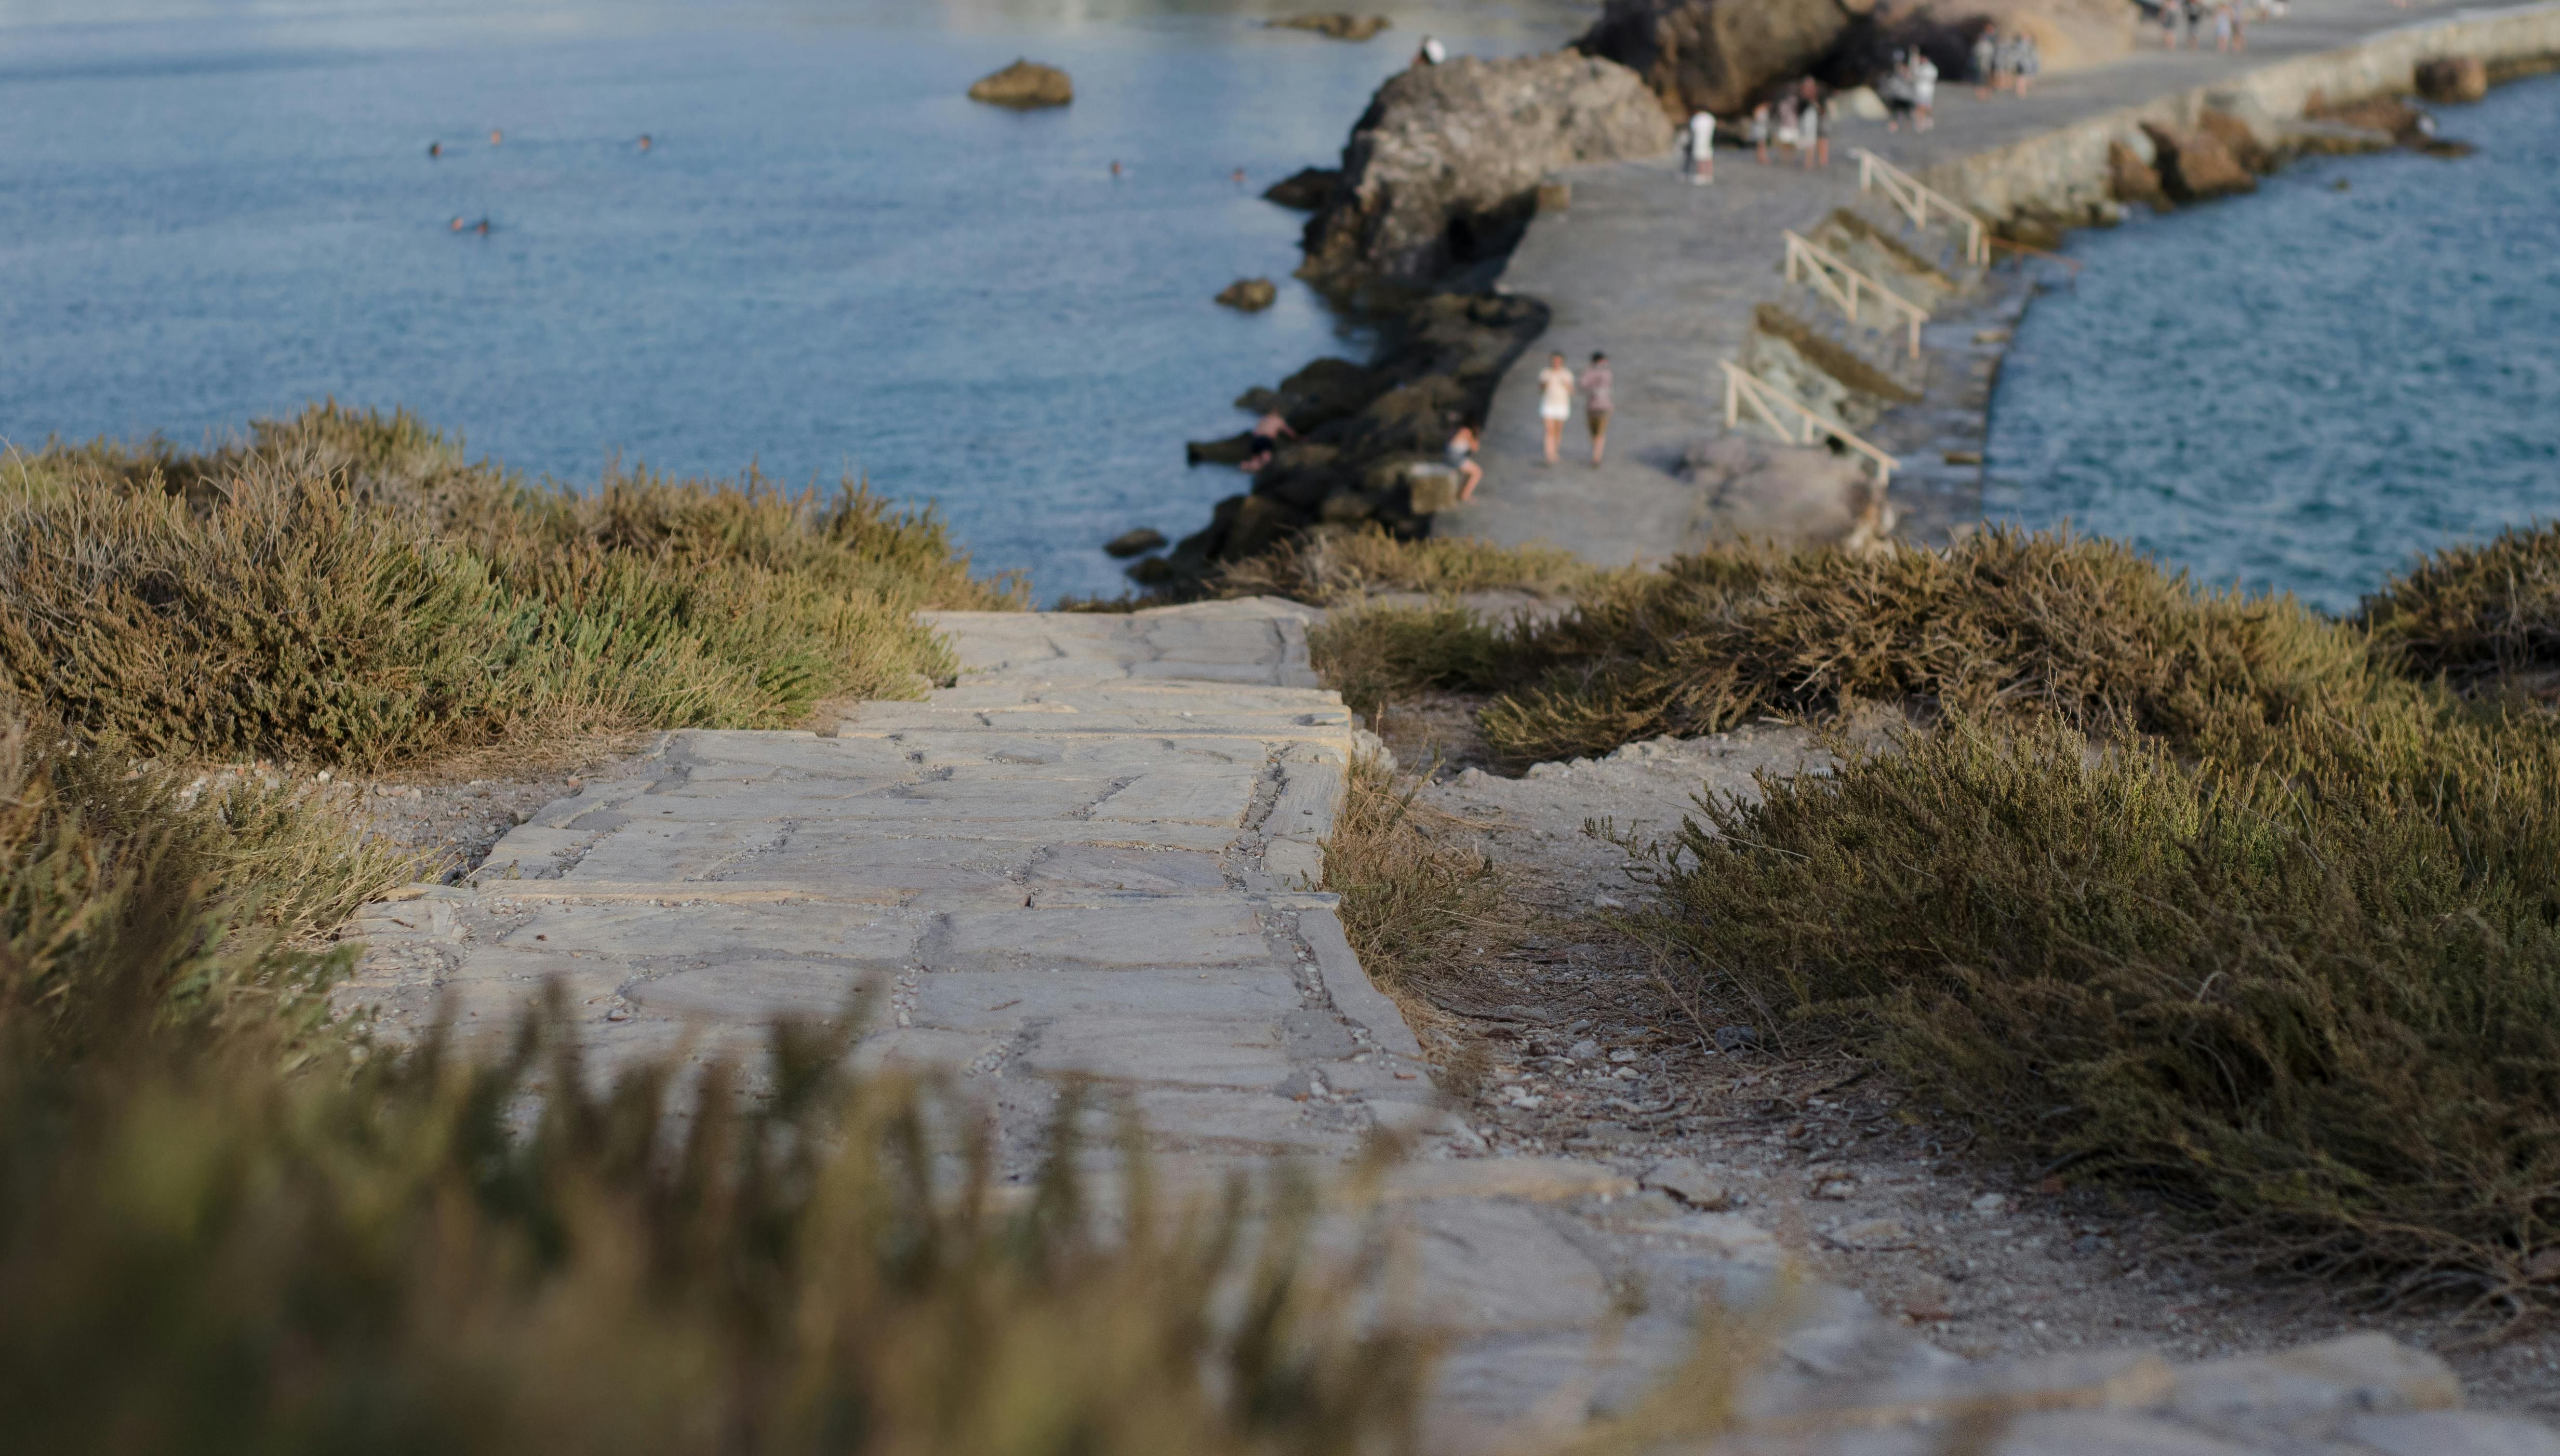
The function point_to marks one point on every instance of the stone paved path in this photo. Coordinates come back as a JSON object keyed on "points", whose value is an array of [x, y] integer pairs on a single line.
{"points": [[1665, 276], [1095, 856]]}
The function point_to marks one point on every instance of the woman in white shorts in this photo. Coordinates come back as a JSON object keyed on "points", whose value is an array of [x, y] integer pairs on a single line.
{"points": [[1555, 402]]}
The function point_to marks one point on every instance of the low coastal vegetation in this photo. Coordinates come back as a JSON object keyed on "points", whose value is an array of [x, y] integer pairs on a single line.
{"points": [[229, 1222], [347, 590], [2201, 891]]}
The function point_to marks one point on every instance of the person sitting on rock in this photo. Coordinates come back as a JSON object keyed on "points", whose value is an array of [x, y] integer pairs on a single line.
{"points": [[1463, 444], [1268, 431]]}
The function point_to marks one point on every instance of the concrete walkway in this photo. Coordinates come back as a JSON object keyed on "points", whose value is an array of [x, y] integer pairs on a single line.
{"points": [[1665, 278]]}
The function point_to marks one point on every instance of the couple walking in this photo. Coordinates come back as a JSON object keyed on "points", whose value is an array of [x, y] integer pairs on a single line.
{"points": [[1555, 385]]}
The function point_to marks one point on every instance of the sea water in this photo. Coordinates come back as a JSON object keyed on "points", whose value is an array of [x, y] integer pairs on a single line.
{"points": [[2304, 388], [828, 263]]}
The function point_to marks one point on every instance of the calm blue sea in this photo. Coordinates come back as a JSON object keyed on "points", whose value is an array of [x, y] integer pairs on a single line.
{"points": [[2304, 388], [828, 263]]}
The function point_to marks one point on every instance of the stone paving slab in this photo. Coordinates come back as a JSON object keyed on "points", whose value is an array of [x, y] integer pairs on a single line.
{"points": [[1028, 899]]}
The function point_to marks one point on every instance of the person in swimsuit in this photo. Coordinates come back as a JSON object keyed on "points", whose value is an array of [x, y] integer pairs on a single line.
{"points": [[434, 149], [1597, 402], [1462, 458], [1555, 402], [1268, 431]]}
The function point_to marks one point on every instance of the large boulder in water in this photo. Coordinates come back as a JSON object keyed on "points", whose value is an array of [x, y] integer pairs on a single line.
{"points": [[1025, 85], [2195, 165], [1718, 54], [1443, 168]]}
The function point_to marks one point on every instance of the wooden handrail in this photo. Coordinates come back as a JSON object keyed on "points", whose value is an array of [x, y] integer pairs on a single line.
{"points": [[1742, 386], [1845, 290], [1915, 198]]}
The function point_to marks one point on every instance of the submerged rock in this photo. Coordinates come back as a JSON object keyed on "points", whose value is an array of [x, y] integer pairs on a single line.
{"points": [[1025, 85], [1134, 542], [1717, 54], [1305, 189], [1443, 168], [1249, 295], [1337, 24]]}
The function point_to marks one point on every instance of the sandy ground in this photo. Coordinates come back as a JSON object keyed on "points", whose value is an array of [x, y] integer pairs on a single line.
{"points": [[1571, 1041]]}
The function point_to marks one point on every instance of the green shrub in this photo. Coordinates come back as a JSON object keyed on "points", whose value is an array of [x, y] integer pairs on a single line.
{"points": [[345, 590], [2474, 609]]}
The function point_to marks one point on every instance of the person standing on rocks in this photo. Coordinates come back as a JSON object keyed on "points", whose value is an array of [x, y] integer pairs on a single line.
{"points": [[1597, 400], [1555, 402], [1701, 148], [1265, 442]]}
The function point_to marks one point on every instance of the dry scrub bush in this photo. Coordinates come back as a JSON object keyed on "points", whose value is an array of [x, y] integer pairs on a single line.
{"points": [[2323, 1004], [345, 590], [2469, 610], [1374, 653], [1329, 567], [1412, 902], [2002, 621]]}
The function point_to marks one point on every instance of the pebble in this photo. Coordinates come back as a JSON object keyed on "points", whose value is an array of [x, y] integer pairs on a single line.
{"points": [[1992, 1204], [1690, 1182], [1585, 1049]]}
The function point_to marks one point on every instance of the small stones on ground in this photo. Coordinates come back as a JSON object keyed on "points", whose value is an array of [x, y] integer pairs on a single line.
{"points": [[1870, 1235], [1992, 1204], [1686, 1180], [1735, 1039], [1829, 1180], [1585, 1049], [1134, 543]]}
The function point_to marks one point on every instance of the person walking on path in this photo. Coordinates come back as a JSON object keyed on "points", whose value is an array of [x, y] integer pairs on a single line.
{"points": [[1759, 132], [1597, 402], [1555, 402], [2024, 62], [1810, 124], [1462, 458], [1924, 91], [1701, 148], [1985, 61]]}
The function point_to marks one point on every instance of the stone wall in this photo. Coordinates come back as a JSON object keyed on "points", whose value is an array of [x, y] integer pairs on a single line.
{"points": [[2063, 173]]}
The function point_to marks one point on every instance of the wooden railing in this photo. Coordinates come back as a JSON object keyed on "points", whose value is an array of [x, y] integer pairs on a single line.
{"points": [[1846, 285], [1917, 202], [1796, 422]]}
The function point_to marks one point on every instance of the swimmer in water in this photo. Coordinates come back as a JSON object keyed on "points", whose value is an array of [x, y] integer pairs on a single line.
{"points": [[459, 224], [644, 141], [1236, 177], [483, 228], [435, 149], [496, 136], [1115, 167]]}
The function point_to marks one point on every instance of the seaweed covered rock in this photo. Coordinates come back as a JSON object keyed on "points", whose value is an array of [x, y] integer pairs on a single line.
{"points": [[1443, 168], [1718, 54], [1022, 85]]}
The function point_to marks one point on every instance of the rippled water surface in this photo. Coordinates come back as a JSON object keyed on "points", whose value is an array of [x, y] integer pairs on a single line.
{"points": [[2303, 389], [829, 261]]}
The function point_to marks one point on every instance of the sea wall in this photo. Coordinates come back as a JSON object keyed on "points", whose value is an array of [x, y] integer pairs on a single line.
{"points": [[2061, 174]]}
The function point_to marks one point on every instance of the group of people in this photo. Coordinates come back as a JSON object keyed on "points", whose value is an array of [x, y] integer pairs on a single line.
{"points": [[1910, 91], [2184, 22], [2006, 62], [1557, 384], [1798, 120]]}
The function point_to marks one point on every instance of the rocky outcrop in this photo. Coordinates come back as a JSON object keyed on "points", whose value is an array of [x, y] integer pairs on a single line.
{"points": [[1335, 23], [2452, 78], [1136, 542], [1718, 54], [1443, 168], [2195, 164], [2238, 139], [1024, 85], [2132, 179], [1305, 189], [1249, 295], [1363, 429]]}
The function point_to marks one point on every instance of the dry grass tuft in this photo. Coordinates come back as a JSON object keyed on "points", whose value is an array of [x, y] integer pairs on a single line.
{"points": [[345, 590], [2472, 611], [1326, 568]]}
